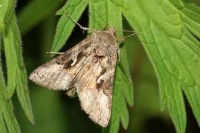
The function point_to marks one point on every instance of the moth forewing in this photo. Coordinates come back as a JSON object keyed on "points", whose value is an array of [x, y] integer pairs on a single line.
{"points": [[94, 85], [89, 67], [57, 74]]}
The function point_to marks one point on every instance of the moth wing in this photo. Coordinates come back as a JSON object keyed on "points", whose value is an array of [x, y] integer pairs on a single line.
{"points": [[57, 74], [96, 99]]}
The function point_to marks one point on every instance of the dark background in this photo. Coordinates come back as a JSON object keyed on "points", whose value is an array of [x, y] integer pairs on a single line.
{"points": [[56, 113]]}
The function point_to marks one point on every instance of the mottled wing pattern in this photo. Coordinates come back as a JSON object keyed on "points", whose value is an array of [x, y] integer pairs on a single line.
{"points": [[94, 82], [58, 73], [89, 67], [95, 99]]}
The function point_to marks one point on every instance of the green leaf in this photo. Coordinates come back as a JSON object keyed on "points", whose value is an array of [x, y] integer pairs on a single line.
{"points": [[6, 110], [2, 125], [7, 118], [65, 25], [36, 11], [173, 51], [10, 50], [17, 77], [128, 85], [3, 11], [10, 9]]}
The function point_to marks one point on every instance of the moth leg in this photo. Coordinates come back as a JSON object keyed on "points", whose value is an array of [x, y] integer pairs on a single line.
{"points": [[59, 53], [124, 38]]}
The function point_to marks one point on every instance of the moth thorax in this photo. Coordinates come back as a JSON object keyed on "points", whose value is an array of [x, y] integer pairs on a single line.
{"points": [[101, 51]]}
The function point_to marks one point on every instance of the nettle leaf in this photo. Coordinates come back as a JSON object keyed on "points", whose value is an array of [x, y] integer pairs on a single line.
{"points": [[173, 51], [170, 45]]}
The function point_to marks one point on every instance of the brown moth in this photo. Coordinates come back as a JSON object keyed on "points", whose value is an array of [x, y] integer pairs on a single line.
{"points": [[87, 69]]}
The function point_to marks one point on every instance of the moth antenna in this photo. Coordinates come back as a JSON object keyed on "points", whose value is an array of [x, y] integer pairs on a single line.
{"points": [[100, 17], [55, 53], [124, 38], [81, 27], [133, 33]]}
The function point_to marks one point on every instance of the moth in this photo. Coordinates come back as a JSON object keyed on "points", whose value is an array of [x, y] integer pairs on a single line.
{"points": [[86, 69]]}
